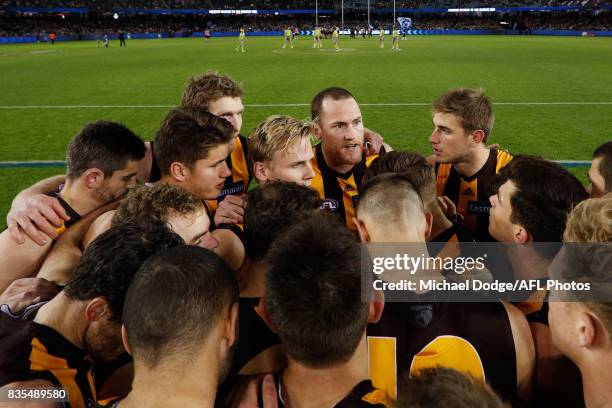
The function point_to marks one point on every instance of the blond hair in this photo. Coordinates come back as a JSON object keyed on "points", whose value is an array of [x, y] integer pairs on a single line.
{"points": [[276, 133], [590, 221]]}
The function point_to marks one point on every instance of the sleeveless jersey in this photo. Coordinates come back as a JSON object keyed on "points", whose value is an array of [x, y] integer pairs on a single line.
{"points": [[470, 337], [339, 192], [31, 351], [471, 194], [364, 395]]}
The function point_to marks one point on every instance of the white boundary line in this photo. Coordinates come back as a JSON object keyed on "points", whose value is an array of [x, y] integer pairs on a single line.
{"points": [[281, 105]]}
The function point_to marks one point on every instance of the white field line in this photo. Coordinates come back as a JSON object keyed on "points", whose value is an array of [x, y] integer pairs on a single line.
{"points": [[281, 105]]}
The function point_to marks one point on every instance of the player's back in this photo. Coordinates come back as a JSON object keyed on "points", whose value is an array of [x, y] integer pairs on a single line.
{"points": [[470, 337]]}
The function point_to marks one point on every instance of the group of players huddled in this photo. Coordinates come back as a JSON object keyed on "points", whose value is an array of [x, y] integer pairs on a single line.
{"points": [[233, 276]]}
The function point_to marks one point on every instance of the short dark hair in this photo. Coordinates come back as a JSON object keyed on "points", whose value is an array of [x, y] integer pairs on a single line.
{"points": [[174, 301], [313, 291], [109, 263], [104, 145], [605, 167], [411, 165], [545, 194], [272, 208], [445, 387], [202, 90], [471, 106], [335, 93], [187, 135]]}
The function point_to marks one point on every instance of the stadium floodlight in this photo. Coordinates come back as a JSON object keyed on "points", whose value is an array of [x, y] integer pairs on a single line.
{"points": [[393, 12], [342, 12], [368, 14]]}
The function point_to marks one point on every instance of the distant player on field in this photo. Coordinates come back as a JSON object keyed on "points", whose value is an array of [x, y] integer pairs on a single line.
{"points": [[335, 35], [207, 34], [381, 37], [241, 39], [395, 43], [317, 38], [288, 38]]}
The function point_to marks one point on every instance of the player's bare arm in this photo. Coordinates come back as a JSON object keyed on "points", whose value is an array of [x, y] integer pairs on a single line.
{"points": [[27, 291], [68, 249], [144, 169], [35, 214]]}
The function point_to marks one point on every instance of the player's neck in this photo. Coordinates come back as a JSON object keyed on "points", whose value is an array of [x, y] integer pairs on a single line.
{"points": [[61, 314], [473, 161], [596, 385], [310, 387], [251, 279], [340, 168], [527, 263], [171, 386], [78, 197], [440, 222]]}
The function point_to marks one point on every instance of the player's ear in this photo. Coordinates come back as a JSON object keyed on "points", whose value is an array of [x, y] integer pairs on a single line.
{"points": [[589, 327], [97, 309], [316, 127], [124, 338], [262, 311], [259, 170], [428, 224], [478, 136], [521, 235], [179, 171], [377, 305], [93, 177], [362, 231], [231, 325]]}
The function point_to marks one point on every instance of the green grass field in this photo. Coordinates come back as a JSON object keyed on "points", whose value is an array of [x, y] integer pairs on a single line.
{"points": [[566, 82]]}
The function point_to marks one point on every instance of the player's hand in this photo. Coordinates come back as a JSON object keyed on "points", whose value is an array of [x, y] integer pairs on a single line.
{"points": [[27, 291], [448, 208], [372, 142], [230, 210], [249, 395], [36, 216]]}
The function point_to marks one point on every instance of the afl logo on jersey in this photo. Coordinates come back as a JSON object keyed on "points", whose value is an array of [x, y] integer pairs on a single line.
{"points": [[329, 204]]}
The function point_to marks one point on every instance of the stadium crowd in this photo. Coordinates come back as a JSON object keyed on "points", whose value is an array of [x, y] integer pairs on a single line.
{"points": [[12, 25], [234, 275], [108, 5]]}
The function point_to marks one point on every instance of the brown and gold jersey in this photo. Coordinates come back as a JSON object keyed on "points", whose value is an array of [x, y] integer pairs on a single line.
{"points": [[339, 192], [31, 351], [474, 338], [74, 216], [364, 395], [238, 182], [471, 194]]}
